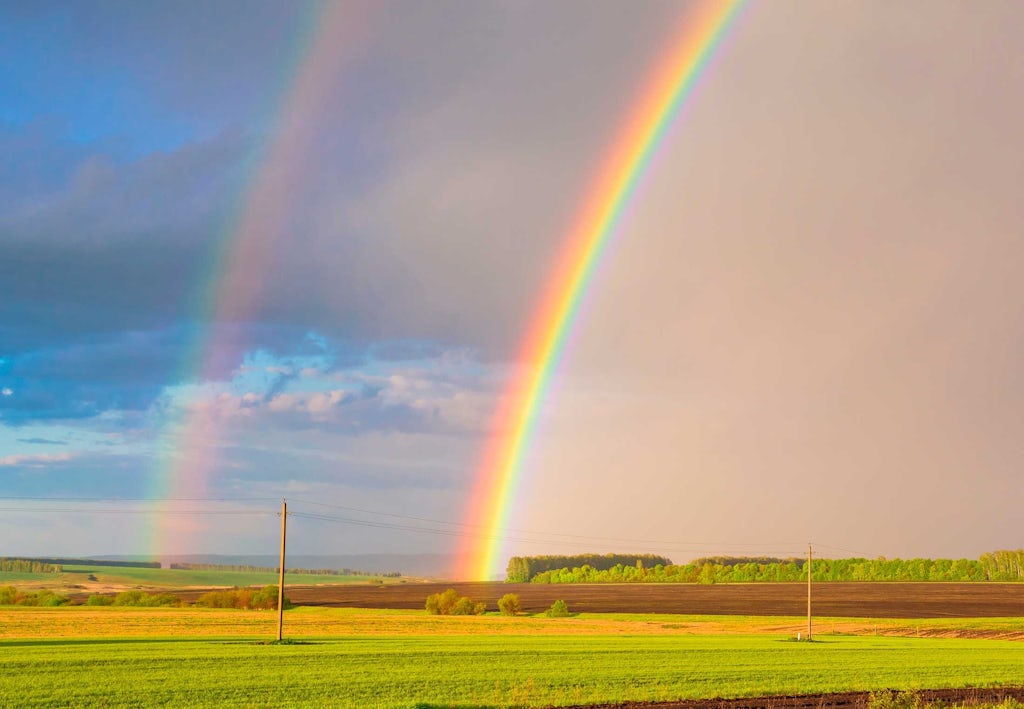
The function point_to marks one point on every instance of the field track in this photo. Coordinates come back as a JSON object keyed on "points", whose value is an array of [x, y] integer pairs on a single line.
{"points": [[844, 700], [850, 600]]}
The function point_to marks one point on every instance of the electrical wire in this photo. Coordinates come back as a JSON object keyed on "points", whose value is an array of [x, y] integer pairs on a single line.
{"points": [[97, 510], [512, 530], [447, 528], [679, 547]]}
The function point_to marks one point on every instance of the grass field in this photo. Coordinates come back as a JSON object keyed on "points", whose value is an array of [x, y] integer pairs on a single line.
{"points": [[476, 670], [82, 656], [132, 577]]}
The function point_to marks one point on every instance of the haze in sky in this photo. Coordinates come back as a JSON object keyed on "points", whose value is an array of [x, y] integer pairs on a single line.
{"points": [[809, 325]]}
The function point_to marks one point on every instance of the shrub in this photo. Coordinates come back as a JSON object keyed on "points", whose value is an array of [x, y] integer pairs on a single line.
{"points": [[509, 604], [128, 598], [243, 598], [52, 599], [465, 606], [450, 603], [442, 603], [558, 609], [99, 600], [161, 599], [10, 596], [136, 598]]}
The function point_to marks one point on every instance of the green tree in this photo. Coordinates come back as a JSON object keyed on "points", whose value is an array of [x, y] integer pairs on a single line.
{"points": [[558, 609], [451, 603]]}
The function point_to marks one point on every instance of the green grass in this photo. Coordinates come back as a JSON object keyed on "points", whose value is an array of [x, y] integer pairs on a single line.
{"points": [[483, 671], [7, 577]]}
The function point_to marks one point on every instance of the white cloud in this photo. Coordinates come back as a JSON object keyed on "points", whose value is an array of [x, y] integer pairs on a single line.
{"points": [[6, 391], [34, 459]]}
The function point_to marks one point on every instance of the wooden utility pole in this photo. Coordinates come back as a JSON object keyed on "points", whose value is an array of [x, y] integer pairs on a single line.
{"points": [[808, 590], [280, 579]]}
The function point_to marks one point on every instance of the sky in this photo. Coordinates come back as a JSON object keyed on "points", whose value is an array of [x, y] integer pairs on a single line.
{"points": [[254, 250]]}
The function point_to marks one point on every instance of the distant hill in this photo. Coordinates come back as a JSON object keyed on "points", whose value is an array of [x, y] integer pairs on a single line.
{"points": [[428, 565]]}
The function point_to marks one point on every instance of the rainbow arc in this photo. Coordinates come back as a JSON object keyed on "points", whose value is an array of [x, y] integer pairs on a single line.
{"points": [[670, 86]]}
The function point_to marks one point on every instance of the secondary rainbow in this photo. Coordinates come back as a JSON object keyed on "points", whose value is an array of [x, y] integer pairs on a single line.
{"points": [[665, 94], [229, 292]]}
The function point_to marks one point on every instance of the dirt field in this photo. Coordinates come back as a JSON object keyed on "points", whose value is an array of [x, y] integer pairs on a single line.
{"points": [[850, 600], [846, 700]]}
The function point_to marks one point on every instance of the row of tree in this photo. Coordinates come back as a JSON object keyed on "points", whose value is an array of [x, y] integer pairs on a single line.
{"points": [[995, 566], [243, 598], [522, 569], [28, 566], [274, 569], [11, 596], [67, 561], [138, 599]]}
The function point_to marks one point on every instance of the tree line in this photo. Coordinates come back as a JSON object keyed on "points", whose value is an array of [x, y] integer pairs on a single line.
{"points": [[57, 561], [274, 569], [1004, 565], [28, 566], [243, 598], [11, 596], [522, 569]]}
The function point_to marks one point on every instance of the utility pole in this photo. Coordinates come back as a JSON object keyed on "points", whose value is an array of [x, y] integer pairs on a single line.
{"points": [[280, 580], [808, 590]]}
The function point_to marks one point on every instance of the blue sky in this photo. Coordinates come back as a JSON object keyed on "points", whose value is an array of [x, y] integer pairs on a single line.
{"points": [[809, 319]]}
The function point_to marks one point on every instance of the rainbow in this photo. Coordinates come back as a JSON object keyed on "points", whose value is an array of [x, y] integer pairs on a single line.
{"points": [[670, 85], [229, 291]]}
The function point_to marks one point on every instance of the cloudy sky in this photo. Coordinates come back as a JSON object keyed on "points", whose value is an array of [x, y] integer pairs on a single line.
{"points": [[262, 249]]}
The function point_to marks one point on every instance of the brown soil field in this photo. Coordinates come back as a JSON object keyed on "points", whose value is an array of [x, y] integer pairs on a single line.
{"points": [[845, 700], [835, 599]]}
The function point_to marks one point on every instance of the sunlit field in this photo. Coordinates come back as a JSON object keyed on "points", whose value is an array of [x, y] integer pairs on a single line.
{"points": [[80, 656]]}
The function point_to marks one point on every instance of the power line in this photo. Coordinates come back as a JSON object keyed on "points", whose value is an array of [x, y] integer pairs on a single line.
{"points": [[121, 510], [138, 499], [848, 551], [454, 529], [677, 547], [546, 534]]}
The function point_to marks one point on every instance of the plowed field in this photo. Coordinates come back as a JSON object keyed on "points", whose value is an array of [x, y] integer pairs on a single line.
{"points": [[838, 700], [850, 600]]}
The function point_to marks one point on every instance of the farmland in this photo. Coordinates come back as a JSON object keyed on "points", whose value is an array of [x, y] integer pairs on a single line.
{"points": [[624, 643], [864, 600], [360, 658]]}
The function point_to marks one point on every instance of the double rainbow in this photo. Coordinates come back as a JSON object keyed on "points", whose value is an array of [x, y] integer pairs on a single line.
{"points": [[668, 90]]}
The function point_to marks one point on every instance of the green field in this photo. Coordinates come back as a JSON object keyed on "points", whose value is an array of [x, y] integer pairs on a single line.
{"points": [[483, 670], [169, 578], [346, 657]]}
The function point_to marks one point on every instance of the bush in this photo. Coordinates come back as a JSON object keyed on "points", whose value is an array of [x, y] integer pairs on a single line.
{"points": [[243, 598], [128, 598], [139, 599], [509, 604], [450, 603], [10, 596], [52, 599], [558, 609], [465, 606]]}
